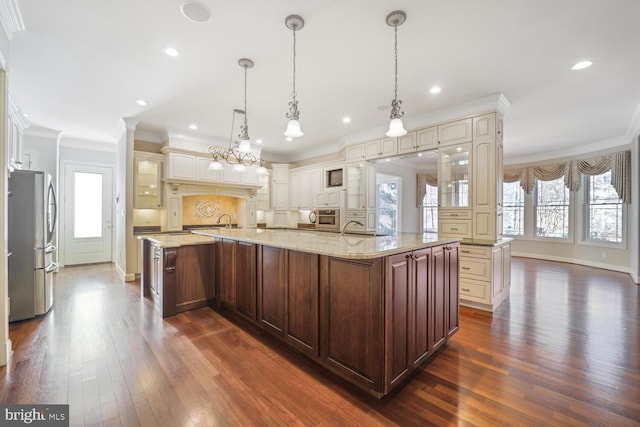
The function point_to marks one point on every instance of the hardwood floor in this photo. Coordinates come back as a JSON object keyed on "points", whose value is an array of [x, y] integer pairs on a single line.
{"points": [[563, 350]]}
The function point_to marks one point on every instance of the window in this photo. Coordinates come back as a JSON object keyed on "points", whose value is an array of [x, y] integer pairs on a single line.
{"points": [[430, 210], [88, 205], [603, 210], [512, 209], [552, 209]]}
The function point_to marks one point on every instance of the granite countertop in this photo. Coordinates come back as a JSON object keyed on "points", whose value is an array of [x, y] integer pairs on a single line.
{"points": [[348, 246], [479, 242], [168, 240]]}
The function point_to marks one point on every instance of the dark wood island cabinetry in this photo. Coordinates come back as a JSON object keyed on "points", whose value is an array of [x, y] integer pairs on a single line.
{"points": [[370, 311]]}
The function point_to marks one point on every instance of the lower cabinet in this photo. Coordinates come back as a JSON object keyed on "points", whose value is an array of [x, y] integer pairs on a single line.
{"points": [[370, 321], [351, 308], [421, 308], [288, 296], [485, 274], [178, 279], [236, 276]]}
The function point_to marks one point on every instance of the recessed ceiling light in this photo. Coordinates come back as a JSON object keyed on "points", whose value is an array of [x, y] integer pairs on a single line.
{"points": [[346, 119], [25, 115], [171, 51], [289, 139], [258, 141], [195, 11], [193, 126], [582, 65], [435, 89], [141, 102]]}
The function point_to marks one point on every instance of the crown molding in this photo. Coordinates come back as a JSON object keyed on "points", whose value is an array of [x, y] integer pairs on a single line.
{"points": [[68, 141], [42, 132], [10, 17], [634, 124]]}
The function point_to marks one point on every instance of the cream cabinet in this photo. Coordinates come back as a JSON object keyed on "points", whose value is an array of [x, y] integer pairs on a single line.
{"points": [[385, 147], [454, 171], [181, 166], [16, 124], [361, 195], [299, 186], [456, 132], [280, 187], [203, 173], [316, 185], [147, 181], [487, 178], [329, 199], [420, 140], [355, 152], [262, 194], [485, 274]]}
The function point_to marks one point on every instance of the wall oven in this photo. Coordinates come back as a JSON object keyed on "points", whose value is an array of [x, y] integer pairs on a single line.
{"points": [[328, 219]]}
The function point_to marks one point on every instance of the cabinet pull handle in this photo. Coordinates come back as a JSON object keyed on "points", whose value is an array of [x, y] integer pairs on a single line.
{"points": [[465, 268], [454, 229], [454, 214], [465, 290], [465, 251]]}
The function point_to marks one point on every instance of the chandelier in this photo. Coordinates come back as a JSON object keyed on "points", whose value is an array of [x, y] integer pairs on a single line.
{"points": [[239, 153], [294, 23], [396, 128]]}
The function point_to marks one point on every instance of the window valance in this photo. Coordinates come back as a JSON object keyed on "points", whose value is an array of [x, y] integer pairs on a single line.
{"points": [[619, 164], [422, 179]]}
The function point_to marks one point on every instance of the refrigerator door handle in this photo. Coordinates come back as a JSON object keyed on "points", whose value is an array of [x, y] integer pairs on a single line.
{"points": [[51, 267]]}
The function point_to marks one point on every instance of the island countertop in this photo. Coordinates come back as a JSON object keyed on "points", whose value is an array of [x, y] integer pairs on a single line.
{"points": [[354, 246]]}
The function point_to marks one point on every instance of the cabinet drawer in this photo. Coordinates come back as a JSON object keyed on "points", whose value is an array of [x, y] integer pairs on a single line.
{"points": [[455, 214], [355, 214], [474, 291], [475, 251], [476, 268], [460, 228]]}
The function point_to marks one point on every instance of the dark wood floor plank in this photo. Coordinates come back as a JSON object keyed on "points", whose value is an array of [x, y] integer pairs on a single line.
{"points": [[563, 350]]}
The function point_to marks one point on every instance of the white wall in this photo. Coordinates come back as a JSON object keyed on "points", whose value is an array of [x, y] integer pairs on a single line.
{"points": [[5, 343], [120, 198]]}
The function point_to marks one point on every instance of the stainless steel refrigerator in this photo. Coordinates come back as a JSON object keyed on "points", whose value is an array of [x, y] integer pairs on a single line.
{"points": [[32, 222]]}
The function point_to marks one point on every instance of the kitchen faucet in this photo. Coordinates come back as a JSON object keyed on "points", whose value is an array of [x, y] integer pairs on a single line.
{"points": [[228, 224], [347, 224]]}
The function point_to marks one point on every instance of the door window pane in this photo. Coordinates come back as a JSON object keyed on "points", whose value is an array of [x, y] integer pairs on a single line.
{"points": [[604, 210], [87, 205], [552, 209]]}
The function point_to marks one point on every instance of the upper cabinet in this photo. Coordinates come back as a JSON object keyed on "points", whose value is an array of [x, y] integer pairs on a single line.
{"points": [[147, 181], [453, 176], [456, 132], [16, 124], [379, 148]]}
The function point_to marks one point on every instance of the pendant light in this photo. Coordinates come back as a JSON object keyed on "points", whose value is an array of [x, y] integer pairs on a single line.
{"points": [[396, 128], [294, 23], [239, 154]]}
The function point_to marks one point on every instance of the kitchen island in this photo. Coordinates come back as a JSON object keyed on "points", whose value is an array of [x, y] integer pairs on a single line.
{"points": [[369, 309]]}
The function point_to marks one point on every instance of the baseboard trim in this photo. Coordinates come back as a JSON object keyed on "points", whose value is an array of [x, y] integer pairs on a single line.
{"points": [[124, 276], [617, 268], [8, 352]]}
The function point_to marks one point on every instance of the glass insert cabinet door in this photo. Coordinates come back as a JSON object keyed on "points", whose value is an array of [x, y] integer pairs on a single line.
{"points": [[147, 188], [355, 185], [454, 176]]}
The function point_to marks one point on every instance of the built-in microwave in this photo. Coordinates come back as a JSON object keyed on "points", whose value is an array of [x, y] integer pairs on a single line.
{"points": [[328, 219]]}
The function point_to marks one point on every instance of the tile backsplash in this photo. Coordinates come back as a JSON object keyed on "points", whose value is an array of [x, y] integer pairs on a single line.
{"points": [[206, 209]]}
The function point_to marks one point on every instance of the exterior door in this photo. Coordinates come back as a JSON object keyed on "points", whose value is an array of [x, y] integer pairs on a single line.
{"points": [[87, 214]]}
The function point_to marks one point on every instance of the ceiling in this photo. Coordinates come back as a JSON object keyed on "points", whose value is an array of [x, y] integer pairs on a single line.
{"points": [[80, 66]]}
